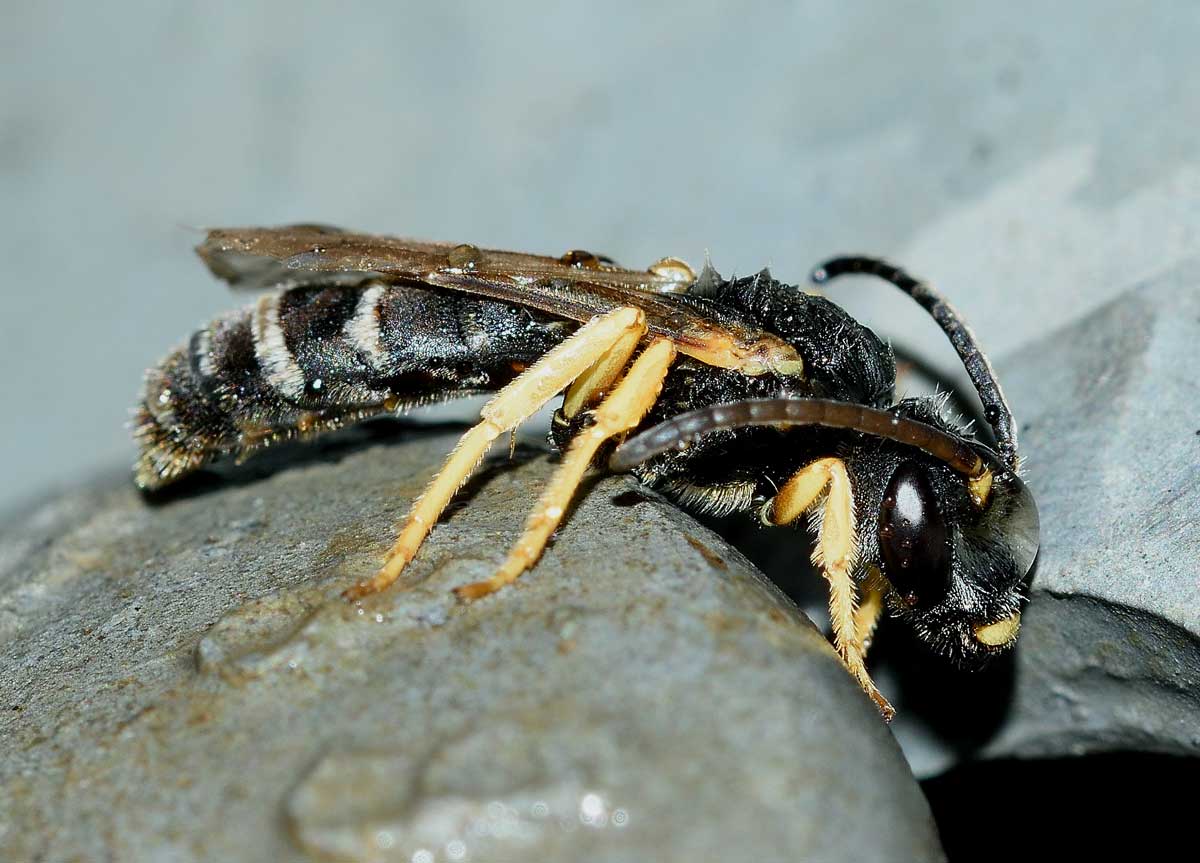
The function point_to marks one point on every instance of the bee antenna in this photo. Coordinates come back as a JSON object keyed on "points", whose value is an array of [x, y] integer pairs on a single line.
{"points": [[995, 408], [680, 431]]}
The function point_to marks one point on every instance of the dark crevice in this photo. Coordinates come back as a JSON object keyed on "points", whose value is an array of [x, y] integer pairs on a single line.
{"points": [[1068, 808]]}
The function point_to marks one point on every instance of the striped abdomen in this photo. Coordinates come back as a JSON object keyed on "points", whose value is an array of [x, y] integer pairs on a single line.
{"points": [[318, 358]]}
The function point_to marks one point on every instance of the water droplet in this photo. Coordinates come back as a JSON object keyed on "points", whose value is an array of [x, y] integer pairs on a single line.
{"points": [[581, 259], [591, 807], [673, 269], [465, 256]]}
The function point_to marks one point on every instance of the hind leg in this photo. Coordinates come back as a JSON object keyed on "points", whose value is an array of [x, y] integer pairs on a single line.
{"points": [[621, 411], [509, 408]]}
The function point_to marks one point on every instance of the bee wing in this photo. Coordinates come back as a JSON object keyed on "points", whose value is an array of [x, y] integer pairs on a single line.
{"points": [[577, 286]]}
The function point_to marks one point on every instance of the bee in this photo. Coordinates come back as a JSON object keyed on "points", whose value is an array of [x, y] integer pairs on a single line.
{"points": [[729, 395]]}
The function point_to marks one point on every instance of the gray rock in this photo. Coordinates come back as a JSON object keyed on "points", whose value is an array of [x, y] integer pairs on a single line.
{"points": [[1109, 654], [182, 683]]}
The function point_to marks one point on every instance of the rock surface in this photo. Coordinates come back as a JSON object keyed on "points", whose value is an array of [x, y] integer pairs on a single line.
{"points": [[1110, 655], [182, 683]]}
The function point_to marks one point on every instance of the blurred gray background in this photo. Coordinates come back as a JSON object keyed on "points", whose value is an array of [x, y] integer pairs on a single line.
{"points": [[1033, 159]]}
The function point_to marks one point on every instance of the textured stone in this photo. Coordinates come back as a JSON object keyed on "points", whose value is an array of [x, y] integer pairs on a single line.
{"points": [[1110, 654], [181, 682]]}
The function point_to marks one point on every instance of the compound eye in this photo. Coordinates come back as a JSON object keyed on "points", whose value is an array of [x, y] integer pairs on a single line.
{"points": [[913, 539]]}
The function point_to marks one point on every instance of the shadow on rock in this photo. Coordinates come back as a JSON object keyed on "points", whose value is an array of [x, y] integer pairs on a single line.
{"points": [[328, 449]]}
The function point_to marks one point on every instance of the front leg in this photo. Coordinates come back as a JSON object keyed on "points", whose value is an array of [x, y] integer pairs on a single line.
{"points": [[835, 553]]}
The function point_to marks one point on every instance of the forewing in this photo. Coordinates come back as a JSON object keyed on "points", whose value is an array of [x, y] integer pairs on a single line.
{"points": [[576, 286]]}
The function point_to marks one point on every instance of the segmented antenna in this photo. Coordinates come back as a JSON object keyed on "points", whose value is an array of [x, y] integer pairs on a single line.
{"points": [[680, 431], [995, 407]]}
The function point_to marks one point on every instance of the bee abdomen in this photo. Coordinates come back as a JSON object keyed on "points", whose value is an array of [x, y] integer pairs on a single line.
{"points": [[313, 359]]}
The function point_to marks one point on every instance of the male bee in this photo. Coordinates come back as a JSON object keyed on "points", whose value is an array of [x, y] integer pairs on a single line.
{"points": [[729, 394]]}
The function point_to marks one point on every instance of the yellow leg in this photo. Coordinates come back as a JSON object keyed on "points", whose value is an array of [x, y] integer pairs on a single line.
{"points": [[509, 408], [622, 410], [870, 609], [594, 384], [835, 554]]}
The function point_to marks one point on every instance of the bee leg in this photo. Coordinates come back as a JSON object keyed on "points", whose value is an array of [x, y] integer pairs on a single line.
{"points": [[515, 403], [620, 411], [591, 386], [870, 609], [835, 554]]}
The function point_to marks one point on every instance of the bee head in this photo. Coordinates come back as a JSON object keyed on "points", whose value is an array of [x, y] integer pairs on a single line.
{"points": [[946, 520], [955, 552]]}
